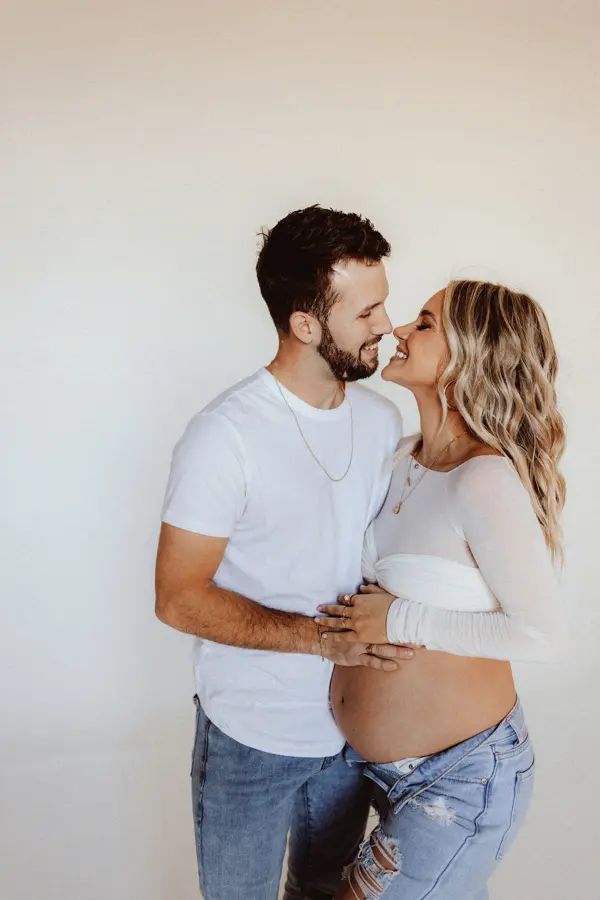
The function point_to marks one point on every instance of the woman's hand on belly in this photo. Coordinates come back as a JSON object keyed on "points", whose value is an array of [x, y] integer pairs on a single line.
{"points": [[359, 617]]}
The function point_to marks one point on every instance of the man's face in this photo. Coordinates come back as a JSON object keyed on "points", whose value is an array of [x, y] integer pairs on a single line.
{"points": [[357, 321]]}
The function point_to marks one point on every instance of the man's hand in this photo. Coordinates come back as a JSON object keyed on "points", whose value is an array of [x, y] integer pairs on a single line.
{"points": [[374, 656]]}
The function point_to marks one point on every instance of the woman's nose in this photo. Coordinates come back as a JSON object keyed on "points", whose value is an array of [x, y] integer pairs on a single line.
{"points": [[402, 331]]}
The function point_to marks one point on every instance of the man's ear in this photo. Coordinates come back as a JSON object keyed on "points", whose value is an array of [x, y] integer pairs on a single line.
{"points": [[305, 327]]}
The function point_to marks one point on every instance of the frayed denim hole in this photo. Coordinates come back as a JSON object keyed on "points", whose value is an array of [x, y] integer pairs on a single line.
{"points": [[376, 865]]}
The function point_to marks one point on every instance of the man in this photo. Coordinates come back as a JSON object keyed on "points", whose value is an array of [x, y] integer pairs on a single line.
{"points": [[271, 489]]}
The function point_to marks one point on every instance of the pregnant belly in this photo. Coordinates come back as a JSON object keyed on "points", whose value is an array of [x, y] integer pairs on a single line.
{"points": [[428, 704]]}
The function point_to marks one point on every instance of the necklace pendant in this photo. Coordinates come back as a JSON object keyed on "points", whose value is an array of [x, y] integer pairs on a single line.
{"points": [[397, 508]]}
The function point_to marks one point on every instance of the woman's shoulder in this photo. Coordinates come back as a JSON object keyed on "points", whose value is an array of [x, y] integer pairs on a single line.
{"points": [[480, 450], [406, 446], [486, 479], [485, 465]]}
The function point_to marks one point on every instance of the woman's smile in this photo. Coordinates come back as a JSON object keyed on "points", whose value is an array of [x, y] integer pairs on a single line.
{"points": [[400, 355]]}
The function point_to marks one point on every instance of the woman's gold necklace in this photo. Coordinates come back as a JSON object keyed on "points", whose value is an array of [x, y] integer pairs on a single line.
{"points": [[426, 469]]}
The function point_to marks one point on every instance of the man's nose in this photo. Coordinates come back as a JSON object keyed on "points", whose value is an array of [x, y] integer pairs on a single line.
{"points": [[383, 325]]}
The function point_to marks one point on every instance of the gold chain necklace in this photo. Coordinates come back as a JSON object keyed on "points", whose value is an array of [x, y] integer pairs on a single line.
{"points": [[426, 469], [309, 448]]}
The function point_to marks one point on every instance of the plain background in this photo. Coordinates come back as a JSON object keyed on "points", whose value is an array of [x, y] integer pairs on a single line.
{"points": [[144, 144]]}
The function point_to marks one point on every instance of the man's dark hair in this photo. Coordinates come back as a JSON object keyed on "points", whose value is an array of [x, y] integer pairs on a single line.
{"points": [[295, 261]]}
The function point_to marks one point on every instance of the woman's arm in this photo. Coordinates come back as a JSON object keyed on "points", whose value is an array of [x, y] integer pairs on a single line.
{"points": [[495, 517], [494, 514]]}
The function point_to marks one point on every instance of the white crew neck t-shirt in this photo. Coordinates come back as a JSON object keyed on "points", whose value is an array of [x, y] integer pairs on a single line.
{"points": [[242, 470]]}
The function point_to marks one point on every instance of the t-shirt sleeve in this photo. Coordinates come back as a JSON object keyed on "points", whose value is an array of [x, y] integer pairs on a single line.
{"points": [[206, 490], [494, 514], [390, 435], [397, 428]]}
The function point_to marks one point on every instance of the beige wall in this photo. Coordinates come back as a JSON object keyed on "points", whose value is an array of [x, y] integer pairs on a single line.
{"points": [[143, 145]]}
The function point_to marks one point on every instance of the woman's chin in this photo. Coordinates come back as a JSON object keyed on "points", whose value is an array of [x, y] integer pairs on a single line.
{"points": [[392, 372]]}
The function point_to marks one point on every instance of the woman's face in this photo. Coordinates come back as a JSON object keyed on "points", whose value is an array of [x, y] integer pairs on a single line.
{"points": [[422, 349]]}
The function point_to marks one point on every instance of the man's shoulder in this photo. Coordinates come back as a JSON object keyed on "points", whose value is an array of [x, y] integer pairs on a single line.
{"points": [[225, 415], [374, 403], [234, 398]]}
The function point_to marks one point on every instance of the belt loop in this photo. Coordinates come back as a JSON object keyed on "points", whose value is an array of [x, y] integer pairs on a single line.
{"points": [[516, 720]]}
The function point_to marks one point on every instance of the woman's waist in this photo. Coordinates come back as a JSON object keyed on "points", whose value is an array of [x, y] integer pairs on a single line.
{"points": [[430, 702], [507, 738]]}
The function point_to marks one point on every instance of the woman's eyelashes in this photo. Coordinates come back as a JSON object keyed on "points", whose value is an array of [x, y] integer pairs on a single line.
{"points": [[423, 326]]}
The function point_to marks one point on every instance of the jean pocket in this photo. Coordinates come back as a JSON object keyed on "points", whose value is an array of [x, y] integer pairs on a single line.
{"points": [[476, 767], [196, 733], [523, 789]]}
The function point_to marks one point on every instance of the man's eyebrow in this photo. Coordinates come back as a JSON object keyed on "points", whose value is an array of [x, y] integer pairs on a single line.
{"points": [[372, 306]]}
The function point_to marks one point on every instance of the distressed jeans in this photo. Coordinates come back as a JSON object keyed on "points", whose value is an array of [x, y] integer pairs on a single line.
{"points": [[445, 824], [244, 803]]}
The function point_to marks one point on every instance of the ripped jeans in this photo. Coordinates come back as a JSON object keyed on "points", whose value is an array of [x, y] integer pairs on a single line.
{"points": [[446, 823]]}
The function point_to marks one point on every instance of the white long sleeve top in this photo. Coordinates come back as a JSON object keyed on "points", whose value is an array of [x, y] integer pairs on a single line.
{"points": [[467, 561]]}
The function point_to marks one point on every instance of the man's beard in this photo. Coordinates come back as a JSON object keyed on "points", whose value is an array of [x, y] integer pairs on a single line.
{"points": [[344, 365]]}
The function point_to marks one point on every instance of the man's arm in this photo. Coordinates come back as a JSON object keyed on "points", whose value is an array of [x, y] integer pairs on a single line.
{"points": [[188, 599]]}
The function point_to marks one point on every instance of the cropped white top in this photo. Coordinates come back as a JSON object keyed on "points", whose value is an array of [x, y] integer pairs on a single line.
{"points": [[467, 561]]}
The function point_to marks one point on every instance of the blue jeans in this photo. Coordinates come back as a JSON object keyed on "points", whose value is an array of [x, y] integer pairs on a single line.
{"points": [[445, 825], [244, 803]]}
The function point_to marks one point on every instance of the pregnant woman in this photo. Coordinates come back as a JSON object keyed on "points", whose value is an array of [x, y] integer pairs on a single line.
{"points": [[460, 564]]}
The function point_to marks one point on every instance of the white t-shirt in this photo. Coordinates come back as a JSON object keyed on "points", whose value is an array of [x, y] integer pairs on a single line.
{"points": [[242, 470]]}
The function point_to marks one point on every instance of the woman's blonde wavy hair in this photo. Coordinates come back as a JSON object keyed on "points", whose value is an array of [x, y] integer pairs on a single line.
{"points": [[501, 377]]}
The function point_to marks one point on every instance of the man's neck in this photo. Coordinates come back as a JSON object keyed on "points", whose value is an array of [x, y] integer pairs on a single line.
{"points": [[311, 381]]}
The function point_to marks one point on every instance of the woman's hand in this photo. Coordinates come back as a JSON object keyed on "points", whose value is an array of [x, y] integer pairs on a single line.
{"points": [[359, 617]]}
